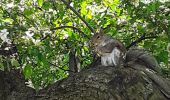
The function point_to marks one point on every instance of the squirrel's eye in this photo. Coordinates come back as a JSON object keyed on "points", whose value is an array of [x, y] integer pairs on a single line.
{"points": [[98, 37]]}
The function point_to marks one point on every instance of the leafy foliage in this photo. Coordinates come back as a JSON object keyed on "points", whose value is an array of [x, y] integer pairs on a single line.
{"points": [[44, 32]]}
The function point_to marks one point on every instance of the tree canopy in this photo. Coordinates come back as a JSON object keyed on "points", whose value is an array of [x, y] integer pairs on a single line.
{"points": [[37, 36]]}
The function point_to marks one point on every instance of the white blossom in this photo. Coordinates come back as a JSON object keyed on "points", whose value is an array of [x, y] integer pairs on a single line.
{"points": [[3, 36], [50, 10], [36, 42], [121, 20], [65, 36], [29, 35], [21, 8], [10, 5]]}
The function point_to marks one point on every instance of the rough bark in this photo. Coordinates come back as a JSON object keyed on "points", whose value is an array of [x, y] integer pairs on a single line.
{"points": [[94, 83], [104, 83], [13, 87]]}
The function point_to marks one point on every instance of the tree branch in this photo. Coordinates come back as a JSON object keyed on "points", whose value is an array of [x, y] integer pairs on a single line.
{"points": [[61, 27], [59, 67], [78, 15], [140, 39]]}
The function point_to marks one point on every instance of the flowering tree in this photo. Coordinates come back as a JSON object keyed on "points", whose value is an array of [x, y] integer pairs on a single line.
{"points": [[38, 36]]}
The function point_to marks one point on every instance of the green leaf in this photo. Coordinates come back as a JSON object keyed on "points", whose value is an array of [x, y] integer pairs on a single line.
{"points": [[8, 20], [56, 24], [46, 5], [89, 15], [163, 56], [1, 67], [1, 64], [40, 2], [28, 12], [14, 62], [83, 8], [27, 71]]}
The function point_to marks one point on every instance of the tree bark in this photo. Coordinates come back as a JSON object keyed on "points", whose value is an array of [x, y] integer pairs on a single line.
{"points": [[104, 83], [93, 83], [13, 87]]}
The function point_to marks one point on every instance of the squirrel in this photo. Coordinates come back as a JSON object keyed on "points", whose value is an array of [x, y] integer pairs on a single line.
{"points": [[111, 50], [114, 53]]}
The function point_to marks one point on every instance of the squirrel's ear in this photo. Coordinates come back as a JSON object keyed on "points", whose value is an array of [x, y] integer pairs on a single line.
{"points": [[100, 31]]}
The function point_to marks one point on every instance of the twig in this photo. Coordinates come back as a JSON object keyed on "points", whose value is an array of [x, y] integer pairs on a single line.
{"points": [[78, 15]]}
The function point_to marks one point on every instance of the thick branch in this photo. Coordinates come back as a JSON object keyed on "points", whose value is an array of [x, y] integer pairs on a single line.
{"points": [[78, 15], [104, 83]]}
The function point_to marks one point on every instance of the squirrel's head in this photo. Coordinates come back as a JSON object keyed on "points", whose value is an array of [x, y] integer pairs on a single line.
{"points": [[98, 38]]}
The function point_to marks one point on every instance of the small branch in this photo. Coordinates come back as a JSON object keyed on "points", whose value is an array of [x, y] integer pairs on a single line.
{"points": [[61, 27], [30, 21], [78, 15], [140, 39], [59, 67]]}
